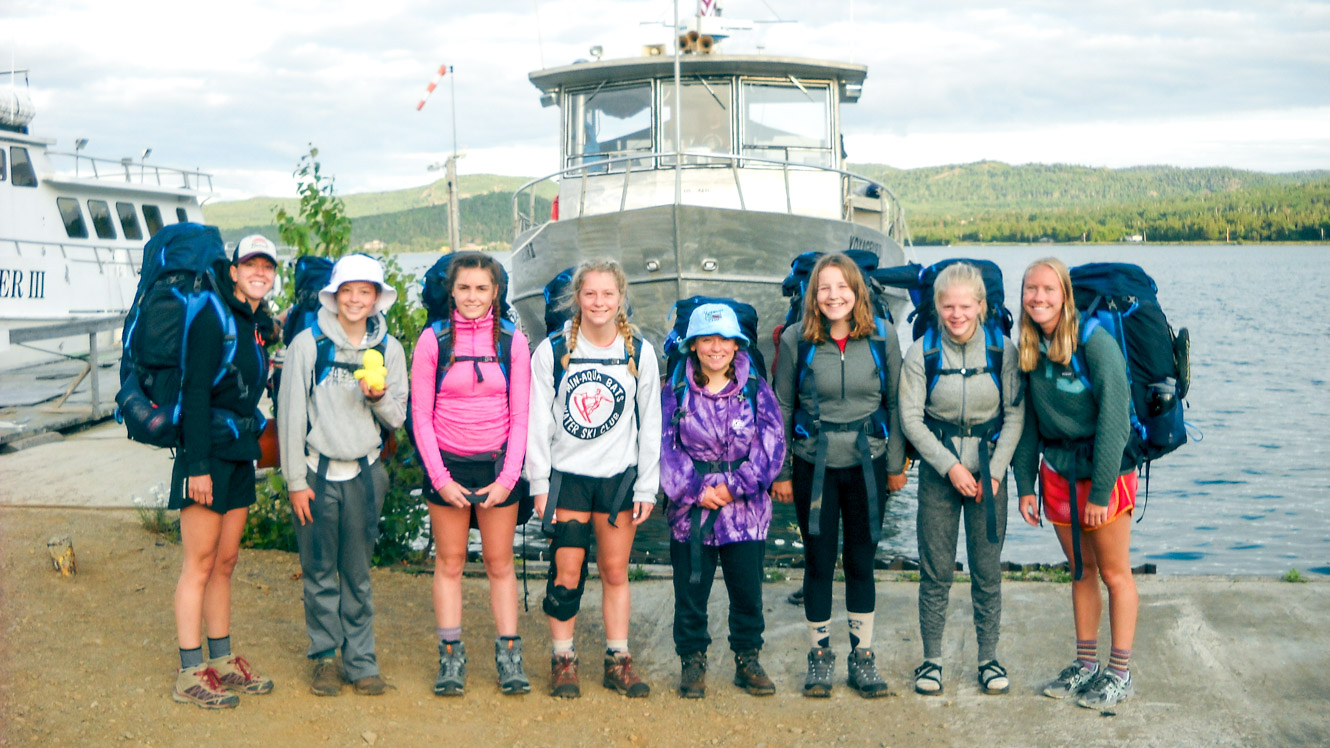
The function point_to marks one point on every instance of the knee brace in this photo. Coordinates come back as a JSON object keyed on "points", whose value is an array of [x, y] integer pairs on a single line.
{"points": [[562, 603]]}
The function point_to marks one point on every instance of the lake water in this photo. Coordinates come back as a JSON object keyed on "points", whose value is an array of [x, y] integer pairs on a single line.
{"points": [[1252, 496]]}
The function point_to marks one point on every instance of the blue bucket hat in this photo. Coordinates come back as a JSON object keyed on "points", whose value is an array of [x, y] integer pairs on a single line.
{"points": [[713, 319]]}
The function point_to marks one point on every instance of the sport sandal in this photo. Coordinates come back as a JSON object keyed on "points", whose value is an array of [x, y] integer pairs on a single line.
{"points": [[928, 679], [993, 678]]}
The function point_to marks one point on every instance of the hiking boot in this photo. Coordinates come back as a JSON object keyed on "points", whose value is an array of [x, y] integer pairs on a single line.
{"points": [[236, 674], [508, 664], [863, 676], [821, 664], [1073, 679], [693, 681], [201, 687], [993, 678], [563, 676], [327, 678], [1106, 690], [451, 680], [620, 676], [371, 685], [749, 675]]}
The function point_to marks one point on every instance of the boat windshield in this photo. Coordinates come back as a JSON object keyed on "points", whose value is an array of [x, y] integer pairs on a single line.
{"points": [[610, 122], [708, 123], [788, 122]]}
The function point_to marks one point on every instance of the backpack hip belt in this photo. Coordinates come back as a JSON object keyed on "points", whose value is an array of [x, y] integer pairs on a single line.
{"points": [[987, 432], [1080, 448], [862, 426], [626, 481], [698, 530], [707, 467], [320, 486]]}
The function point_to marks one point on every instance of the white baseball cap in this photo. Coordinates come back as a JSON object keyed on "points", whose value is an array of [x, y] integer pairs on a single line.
{"points": [[254, 245], [358, 267]]}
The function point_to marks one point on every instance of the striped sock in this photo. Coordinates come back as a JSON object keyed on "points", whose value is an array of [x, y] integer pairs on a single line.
{"points": [[861, 630], [820, 633], [1087, 653], [1119, 662]]}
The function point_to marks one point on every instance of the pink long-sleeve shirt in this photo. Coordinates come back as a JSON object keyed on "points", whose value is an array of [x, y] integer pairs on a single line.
{"points": [[468, 416]]}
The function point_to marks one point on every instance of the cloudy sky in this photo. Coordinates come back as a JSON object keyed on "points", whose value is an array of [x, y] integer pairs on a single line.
{"points": [[239, 88]]}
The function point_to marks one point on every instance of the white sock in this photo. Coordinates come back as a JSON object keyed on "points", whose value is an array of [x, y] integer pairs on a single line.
{"points": [[820, 633], [563, 646], [861, 630], [616, 645]]}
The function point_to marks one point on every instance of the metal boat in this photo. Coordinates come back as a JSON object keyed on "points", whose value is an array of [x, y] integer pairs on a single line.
{"points": [[72, 230], [715, 197]]}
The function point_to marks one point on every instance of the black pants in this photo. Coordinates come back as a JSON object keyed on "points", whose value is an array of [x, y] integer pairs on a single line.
{"points": [[844, 503], [741, 565]]}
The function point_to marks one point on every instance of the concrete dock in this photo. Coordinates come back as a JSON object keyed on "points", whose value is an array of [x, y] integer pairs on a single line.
{"points": [[88, 659]]}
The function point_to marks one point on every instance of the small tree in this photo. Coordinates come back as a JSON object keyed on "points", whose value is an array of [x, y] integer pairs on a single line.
{"points": [[321, 227]]}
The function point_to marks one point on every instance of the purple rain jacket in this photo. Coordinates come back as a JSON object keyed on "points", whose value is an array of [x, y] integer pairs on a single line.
{"points": [[720, 427]]}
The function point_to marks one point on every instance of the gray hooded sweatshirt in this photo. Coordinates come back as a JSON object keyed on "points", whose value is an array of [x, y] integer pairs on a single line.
{"points": [[333, 418]]}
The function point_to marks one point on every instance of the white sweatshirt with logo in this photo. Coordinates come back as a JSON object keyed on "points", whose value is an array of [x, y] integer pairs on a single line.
{"points": [[590, 427]]}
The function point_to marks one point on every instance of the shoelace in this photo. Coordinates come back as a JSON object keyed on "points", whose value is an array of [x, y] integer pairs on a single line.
{"points": [[211, 680], [822, 667], [243, 666], [624, 665], [453, 662], [565, 667], [867, 671]]}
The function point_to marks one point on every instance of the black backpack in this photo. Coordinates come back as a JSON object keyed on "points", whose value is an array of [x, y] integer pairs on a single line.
{"points": [[178, 282], [437, 297], [683, 312], [1122, 299], [312, 275], [556, 297]]}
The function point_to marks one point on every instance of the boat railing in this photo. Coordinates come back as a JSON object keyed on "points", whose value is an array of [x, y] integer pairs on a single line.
{"points": [[891, 216], [102, 253], [133, 172]]}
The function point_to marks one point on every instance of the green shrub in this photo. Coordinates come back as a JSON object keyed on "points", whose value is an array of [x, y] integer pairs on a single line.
{"points": [[1294, 576]]}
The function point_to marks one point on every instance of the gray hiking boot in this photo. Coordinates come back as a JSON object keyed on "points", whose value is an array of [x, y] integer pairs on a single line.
{"points": [[1073, 679], [451, 680], [864, 677], [821, 665], [508, 663], [1106, 690]]}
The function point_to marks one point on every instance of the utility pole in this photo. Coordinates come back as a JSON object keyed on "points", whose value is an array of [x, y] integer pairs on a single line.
{"points": [[454, 224]]}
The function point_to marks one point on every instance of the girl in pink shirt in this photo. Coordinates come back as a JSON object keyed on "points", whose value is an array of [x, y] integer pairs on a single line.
{"points": [[469, 416]]}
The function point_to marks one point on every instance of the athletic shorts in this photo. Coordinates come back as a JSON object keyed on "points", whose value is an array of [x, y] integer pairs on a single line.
{"points": [[473, 475], [1057, 497], [232, 485], [579, 493]]}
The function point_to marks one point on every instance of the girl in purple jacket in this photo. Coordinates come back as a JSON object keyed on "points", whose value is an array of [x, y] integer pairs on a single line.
{"points": [[723, 444]]}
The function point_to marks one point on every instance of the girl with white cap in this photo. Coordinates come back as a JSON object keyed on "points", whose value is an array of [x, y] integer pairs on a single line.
{"points": [[723, 445], [331, 431]]}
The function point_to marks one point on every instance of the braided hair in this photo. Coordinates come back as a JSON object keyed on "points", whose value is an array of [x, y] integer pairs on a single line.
{"points": [[478, 261], [625, 328]]}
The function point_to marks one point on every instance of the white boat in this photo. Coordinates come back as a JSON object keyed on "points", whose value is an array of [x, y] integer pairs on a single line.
{"points": [[72, 230], [759, 177]]}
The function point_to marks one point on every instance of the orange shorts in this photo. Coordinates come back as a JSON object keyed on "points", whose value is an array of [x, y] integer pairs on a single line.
{"points": [[1057, 497]]}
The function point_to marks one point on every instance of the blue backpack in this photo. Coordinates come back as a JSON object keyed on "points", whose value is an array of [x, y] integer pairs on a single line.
{"points": [[312, 275], [178, 282], [683, 312]]}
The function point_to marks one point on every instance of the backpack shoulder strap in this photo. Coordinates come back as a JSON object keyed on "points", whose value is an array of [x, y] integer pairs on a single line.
{"points": [[932, 349], [679, 384], [877, 344], [443, 333], [506, 332], [559, 347], [993, 350]]}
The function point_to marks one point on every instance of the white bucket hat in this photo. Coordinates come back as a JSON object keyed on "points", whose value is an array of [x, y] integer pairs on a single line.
{"points": [[358, 267]]}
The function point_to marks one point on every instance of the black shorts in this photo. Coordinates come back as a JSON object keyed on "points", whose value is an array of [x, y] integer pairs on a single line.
{"points": [[473, 475], [232, 485], [580, 493]]}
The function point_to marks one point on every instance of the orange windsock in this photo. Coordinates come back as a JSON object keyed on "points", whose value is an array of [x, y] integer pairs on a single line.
{"points": [[443, 70]]}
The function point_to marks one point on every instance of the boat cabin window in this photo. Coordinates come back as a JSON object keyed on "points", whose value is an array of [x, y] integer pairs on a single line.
{"points": [[786, 122], [75, 228], [708, 123], [129, 220], [152, 217], [608, 122], [24, 174], [2, 166], [101, 219], [181, 216]]}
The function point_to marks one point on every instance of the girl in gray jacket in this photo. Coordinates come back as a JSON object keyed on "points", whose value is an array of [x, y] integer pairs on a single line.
{"points": [[960, 421]]}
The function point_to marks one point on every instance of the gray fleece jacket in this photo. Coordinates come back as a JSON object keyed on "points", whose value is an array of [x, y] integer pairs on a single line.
{"points": [[333, 417], [847, 389], [961, 400]]}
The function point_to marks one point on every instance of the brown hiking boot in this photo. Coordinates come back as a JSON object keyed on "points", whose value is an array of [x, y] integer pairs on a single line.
{"points": [[693, 682], [327, 678], [563, 676], [749, 675], [620, 676], [371, 685], [201, 687], [236, 674]]}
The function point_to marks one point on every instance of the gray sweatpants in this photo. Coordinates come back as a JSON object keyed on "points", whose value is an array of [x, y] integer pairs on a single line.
{"points": [[940, 509], [335, 554]]}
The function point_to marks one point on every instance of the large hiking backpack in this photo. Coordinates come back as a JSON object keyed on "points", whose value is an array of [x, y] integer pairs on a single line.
{"points": [[795, 286], [437, 297], [556, 297], [919, 281], [312, 275], [1122, 299], [178, 282], [682, 312]]}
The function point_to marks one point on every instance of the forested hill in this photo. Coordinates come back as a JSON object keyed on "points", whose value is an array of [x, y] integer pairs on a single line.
{"points": [[980, 202]]}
